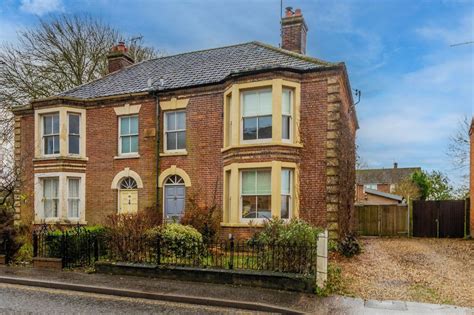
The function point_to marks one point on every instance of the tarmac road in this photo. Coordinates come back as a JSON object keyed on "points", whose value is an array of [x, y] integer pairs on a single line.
{"points": [[16, 299]]}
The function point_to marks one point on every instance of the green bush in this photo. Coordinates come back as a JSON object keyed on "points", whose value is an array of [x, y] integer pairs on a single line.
{"points": [[177, 240], [286, 246], [349, 245], [335, 283]]}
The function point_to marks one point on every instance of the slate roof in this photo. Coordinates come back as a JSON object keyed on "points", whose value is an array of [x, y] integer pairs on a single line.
{"points": [[383, 194], [195, 68], [384, 175]]}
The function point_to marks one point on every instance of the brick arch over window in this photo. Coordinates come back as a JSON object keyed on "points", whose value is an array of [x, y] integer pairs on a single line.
{"points": [[173, 170], [123, 174]]}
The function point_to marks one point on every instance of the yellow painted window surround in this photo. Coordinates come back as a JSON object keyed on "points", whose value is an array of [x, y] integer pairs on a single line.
{"points": [[269, 187], [285, 112]]}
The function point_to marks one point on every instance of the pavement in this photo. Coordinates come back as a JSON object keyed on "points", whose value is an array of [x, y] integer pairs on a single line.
{"points": [[181, 296]]}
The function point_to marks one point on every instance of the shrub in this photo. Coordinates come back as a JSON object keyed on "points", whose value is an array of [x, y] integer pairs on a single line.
{"points": [[10, 240], [177, 240], [335, 283], [205, 219], [349, 245], [287, 247]]}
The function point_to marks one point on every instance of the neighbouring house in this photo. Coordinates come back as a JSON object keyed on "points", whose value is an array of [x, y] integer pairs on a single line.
{"points": [[471, 176], [257, 130], [377, 186]]}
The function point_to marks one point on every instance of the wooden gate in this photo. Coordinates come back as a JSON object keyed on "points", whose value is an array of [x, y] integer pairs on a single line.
{"points": [[446, 218], [382, 220]]}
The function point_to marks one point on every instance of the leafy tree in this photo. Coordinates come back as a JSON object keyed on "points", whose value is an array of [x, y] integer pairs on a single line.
{"points": [[440, 188], [421, 180]]}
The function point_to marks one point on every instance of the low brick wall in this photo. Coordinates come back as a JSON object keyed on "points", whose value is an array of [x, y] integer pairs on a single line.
{"points": [[48, 263], [263, 279]]}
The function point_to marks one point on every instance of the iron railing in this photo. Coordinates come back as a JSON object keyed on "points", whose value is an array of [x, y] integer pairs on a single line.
{"points": [[80, 248]]}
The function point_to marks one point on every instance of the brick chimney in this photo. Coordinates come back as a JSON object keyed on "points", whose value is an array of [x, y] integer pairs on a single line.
{"points": [[118, 58], [395, 165], [293, 31]]}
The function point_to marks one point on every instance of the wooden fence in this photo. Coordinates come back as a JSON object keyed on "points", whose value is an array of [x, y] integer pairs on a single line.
{"points": [[382, 220]]}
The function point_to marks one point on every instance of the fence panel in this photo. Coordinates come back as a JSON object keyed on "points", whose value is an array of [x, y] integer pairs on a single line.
{"points": [[382, 220], [445, 218]]}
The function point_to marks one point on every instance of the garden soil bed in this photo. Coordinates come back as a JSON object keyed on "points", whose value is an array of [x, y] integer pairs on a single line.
{"points": [[415, 269]]}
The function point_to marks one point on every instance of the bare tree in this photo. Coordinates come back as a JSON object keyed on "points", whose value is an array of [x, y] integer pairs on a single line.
{"points": [[458, 148]]}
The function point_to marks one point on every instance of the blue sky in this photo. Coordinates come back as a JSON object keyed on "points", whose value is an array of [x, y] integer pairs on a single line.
{"points": [[415, 87]]}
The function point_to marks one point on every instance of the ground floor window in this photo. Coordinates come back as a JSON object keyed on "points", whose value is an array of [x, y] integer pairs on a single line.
{"points": [[257, 191], [59, 197], [256, 194]]}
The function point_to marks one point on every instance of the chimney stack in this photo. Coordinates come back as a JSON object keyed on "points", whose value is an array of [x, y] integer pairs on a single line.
{"points": [[293, 31], [395, 165], [118, 57]]}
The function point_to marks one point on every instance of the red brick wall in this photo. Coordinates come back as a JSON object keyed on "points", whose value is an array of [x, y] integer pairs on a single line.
{"points": [[471, 176]]}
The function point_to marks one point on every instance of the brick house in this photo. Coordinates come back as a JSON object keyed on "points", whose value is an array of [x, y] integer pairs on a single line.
{"points": [[258, 130], [377, 186]]}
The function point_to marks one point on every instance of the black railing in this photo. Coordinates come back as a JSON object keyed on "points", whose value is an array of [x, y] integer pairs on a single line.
{"points": [[5, 247], [79, 248]]}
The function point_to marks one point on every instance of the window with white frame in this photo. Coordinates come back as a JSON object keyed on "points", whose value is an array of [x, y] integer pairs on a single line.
{"points": [[74, 135], [175, 131], [73, 197], [256, 115], [51, 134], [286, 193], [370, 186], [286, 114], [50, 197], [256, 194], [128, 143]]}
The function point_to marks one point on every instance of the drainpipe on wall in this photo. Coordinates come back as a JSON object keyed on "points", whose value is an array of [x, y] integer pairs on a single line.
{"points": [[157, 150]]}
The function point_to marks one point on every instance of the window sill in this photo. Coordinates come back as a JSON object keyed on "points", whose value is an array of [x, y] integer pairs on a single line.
{"points": [[60, 157], [263, 144], [123, 157], [59, 221], [174, 153], [242, 224]]}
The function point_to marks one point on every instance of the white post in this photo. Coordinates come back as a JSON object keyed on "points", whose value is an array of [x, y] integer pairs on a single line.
{"points": [[322, 260]]}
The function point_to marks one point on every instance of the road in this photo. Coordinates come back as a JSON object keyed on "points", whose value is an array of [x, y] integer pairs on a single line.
{"points": [[16, 299]]}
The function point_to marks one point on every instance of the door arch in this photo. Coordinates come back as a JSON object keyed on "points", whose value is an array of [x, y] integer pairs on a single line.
{"points": [[174, 196], [128, 196]]}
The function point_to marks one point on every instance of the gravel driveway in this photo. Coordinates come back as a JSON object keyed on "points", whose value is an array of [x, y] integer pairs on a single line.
{"points": [[416, 269]]}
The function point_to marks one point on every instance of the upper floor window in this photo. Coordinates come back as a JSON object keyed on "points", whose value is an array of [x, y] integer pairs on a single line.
{"points": [[175, 131], [128, 143], [370, 186], [286, 114], [74, 133], [51, 134], [256, 114]]}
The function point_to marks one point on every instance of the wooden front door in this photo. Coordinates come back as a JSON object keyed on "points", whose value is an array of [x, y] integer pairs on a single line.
{"points": [[128, 201]]}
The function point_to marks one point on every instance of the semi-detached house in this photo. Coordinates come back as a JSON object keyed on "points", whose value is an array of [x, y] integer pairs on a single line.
{"points": [[261, 131]]}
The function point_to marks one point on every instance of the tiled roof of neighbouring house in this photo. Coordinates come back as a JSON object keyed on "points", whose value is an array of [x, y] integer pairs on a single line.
{"points": [[384, 175], [195, 68]]}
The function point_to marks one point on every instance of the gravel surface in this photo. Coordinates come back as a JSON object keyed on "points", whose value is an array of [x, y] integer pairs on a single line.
{"points": [[31, 300], [415, 269]]}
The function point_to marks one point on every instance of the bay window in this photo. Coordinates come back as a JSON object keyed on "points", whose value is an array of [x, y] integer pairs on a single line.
{"points": [[256, 114], [128, 143], [51, 134], [256, 194], [73, 197], [175, 131], [286, 193], [50, 197], [74, 135], [286, 114]]}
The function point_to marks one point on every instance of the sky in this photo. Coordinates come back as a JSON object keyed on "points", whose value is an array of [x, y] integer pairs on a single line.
{"points": [[416, 87]]}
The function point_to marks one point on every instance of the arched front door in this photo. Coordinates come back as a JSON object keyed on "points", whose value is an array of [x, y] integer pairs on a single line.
{"points": [[174, 198], [128, 196]]}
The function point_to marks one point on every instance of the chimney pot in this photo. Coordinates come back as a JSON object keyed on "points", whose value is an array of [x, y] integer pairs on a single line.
{"points": [[118, 57], [293, 31]]}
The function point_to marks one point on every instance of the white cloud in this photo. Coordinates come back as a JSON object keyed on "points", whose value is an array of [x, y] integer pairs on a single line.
{"points": [[41, 7], [454, 34]]}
